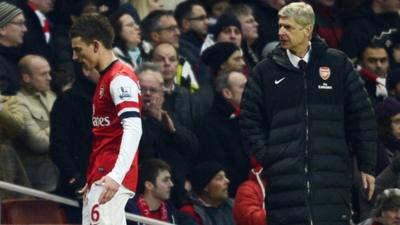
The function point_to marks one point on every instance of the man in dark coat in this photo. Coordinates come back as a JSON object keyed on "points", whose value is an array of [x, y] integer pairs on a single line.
{"points": [[163, 137], [71, 136], [12, 30], [39, 37], [219, 133], [304, 113]]}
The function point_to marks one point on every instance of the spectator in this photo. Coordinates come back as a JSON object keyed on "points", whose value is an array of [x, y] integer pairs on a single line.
{"points": [[219, 133], [38, 39], [374, 68], [144, 7], [227, 29], [12, 29], [387, 209], [249, 27], [160, 26], [373, 20], [266, 14], [214, 9], [127, 38], [388, 161], [223, 57], [163, 137], [71, 137], [328, 24], [209, 203], [11, 168], [193, 23], [33, 140], [303, 109], [249, 207], [178, 100], [392, 83], [154, 191]]}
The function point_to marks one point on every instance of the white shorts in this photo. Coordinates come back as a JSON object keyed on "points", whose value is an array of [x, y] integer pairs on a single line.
{"points": [[110, 213]]}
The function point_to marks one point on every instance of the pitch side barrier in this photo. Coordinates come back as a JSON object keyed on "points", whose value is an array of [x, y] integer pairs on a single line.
{"points": [[66, 201]]}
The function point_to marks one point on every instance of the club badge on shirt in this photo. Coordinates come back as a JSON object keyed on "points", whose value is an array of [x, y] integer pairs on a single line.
{"points": [[101, 92]]}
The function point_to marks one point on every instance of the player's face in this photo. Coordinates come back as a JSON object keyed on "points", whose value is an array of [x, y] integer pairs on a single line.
{"points": [[163, 185], [217, 189], [293, 36], [83, 53]]}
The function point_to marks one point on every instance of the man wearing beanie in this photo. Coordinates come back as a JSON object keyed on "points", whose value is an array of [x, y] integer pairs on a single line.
{"points": [[12, 29], [387, 209], [223, 57], [228, 29], [208, 204]]}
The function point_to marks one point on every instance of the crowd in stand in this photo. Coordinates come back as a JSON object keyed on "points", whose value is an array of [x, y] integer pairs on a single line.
{"points": [[193, 59]]}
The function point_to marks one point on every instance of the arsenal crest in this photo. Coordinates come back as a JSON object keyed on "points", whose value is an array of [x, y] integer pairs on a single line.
{"points": [[101, 92], [324, 72]]}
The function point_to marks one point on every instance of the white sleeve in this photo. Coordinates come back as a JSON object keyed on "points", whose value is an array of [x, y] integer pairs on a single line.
{"points": [[132, 131], [125, 94]]}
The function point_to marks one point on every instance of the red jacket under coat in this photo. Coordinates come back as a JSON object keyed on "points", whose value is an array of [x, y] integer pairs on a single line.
{"points": [[249, 206]]}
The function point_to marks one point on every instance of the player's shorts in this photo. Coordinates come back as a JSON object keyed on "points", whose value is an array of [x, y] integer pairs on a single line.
{"points": [[110, 213]]}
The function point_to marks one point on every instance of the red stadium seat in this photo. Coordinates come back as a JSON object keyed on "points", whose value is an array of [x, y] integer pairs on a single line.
{"points": [[21, 211]]}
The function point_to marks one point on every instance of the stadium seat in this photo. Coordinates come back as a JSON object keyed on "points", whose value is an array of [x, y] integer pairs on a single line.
{"points": [[29, 211]]}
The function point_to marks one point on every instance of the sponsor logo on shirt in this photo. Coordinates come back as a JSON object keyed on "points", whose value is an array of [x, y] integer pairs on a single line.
{"points": [[99, 121], [125, 92]]}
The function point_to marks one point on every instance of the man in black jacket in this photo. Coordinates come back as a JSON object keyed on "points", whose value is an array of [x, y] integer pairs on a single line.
{"points": [[12, 30], [304, 114]]}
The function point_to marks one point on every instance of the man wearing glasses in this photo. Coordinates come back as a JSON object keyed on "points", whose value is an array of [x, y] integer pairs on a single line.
{"points": [[193, 24], [12, 29], [160, 26]]}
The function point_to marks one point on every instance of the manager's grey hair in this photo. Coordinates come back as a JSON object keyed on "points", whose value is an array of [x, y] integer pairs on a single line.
{"points": [[301, 12]]}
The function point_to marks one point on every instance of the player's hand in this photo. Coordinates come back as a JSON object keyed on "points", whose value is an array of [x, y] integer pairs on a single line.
{"points": [[110, 188], [368, 183], [167, 122]]}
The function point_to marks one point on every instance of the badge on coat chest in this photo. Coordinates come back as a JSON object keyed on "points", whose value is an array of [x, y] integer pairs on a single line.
{"points": [[325, 74]]}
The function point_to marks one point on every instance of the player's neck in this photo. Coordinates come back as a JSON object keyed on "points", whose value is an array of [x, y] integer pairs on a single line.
{"points": [[107, 57], [153, 202]]}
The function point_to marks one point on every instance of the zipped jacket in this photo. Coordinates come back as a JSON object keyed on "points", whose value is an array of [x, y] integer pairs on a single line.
{"points": [[304, 127]]}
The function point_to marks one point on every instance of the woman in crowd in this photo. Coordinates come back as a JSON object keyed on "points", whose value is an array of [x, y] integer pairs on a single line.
{"points": [[127, 37]]}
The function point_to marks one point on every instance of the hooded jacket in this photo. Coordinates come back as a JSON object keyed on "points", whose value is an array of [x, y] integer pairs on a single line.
{"points": [[304, 127]]}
